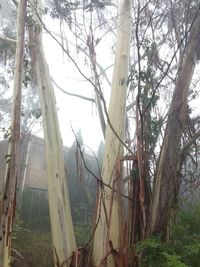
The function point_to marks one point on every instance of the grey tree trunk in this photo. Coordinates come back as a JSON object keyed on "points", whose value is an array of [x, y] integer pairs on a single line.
{"points": [[167, 179]]}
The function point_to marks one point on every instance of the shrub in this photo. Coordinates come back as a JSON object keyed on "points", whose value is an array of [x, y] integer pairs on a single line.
{"points": [[184, 251]]}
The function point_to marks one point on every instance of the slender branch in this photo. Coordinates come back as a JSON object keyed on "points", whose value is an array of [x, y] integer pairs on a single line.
{"points": [[130, 106], [15, 3], [189, 143], [6, 39], [71, 94], [17, 255], [143, 8]]}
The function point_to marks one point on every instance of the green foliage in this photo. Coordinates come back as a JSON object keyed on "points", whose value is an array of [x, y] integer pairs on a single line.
{"points": [[152, 251], [173, 260], [156, 124], [184, 251], [187, 235], [63, 9], [156, 253]]}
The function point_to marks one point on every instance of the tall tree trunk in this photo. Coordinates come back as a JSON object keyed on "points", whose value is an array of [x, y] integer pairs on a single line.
{"points": [[108, 238], [8, 198], [59, 206], [167, 179]]}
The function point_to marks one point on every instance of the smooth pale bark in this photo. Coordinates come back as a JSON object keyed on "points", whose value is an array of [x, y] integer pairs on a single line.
{"points": [[8, 196], [109, 210], [167, 180], [59, 206]]}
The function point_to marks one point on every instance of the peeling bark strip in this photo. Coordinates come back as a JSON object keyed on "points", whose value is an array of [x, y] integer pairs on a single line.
{"points": [[109, 211], [8, 196], [167, 181], [60, 214]]}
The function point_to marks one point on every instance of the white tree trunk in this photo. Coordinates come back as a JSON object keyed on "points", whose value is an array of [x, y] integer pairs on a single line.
{"points": [[8, 198], [59, 206], [109, 230]]}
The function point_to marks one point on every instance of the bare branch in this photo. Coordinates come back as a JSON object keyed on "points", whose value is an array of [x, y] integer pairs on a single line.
{"points": [[6, 39], [185, 148], [130, 106], [71, 94]]}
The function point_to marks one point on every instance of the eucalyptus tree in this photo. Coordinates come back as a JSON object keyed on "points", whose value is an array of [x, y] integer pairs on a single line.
{"points": [[60, 215], [30, 106], [8, 197], [7, 61], [163, 64], [109, 221], [167, 180]]}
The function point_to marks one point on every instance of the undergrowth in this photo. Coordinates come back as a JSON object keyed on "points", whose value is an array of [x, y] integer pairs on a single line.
{"points": [[183, 251]]}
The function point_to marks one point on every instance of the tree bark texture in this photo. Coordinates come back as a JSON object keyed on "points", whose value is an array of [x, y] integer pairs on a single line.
{"points": [[60, 215], [108, 238], [166, 185], [8, 196]]}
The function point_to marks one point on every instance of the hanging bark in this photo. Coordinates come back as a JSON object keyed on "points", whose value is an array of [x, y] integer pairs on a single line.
{"points": [[108, 238], [59, 206], [8, 198], [166, 185]]}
